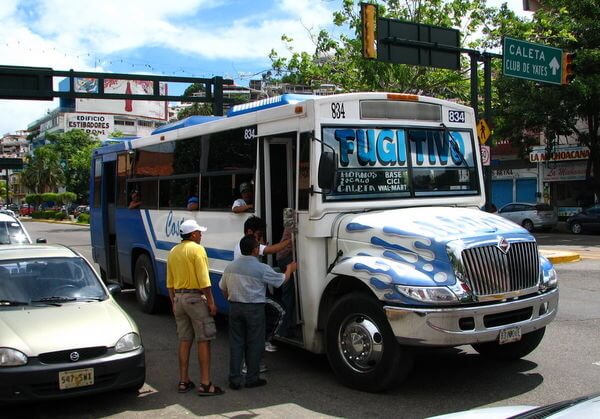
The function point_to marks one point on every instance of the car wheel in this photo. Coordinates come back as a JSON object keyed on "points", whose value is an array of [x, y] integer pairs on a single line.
{"points": [[361, 347], [145, 284], [576, 227], [511, 351], [527, 225]]}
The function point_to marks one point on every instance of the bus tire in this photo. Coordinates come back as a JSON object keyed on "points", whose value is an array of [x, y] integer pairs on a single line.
{"points": [[514, 350], [145, 284], [361, 347]]}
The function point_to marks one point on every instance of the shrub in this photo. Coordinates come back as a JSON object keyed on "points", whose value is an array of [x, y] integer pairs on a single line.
{"points": [[49, 214], [60, 215], [83, 218]]}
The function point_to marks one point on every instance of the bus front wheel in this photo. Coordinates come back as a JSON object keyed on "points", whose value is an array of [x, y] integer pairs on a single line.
{"points": [[361, 347], [145, 284]]}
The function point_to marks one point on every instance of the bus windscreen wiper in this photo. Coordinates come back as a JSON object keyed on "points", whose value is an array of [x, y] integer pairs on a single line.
{"points": [[455, 147], [54, 299]]}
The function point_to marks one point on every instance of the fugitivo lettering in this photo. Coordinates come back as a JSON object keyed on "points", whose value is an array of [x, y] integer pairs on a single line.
{"points": [[388, 147]]}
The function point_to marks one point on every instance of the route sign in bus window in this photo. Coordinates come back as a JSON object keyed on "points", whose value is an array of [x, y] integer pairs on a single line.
{"points": [[375, 163]]}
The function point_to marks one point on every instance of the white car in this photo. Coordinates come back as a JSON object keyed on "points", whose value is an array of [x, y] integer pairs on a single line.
{"points": [[12, 231], [530, 216], [587, 407], [62, 334]]}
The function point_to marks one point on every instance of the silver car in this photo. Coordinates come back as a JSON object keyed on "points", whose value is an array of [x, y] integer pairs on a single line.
{"points": [[530, 216], [61, 332]]}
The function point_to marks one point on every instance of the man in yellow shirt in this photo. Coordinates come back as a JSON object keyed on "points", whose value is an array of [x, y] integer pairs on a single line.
{"points": [[188, 283]]}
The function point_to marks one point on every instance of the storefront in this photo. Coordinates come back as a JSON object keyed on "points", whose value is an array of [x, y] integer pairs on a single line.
{"points": [[514, 185], [561, 178]]}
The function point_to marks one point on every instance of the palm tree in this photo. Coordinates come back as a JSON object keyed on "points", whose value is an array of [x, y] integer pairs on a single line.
{"points": [[43, 172]]}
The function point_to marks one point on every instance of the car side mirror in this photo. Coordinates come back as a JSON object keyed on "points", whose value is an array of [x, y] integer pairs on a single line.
{"points": [[113, 288]]}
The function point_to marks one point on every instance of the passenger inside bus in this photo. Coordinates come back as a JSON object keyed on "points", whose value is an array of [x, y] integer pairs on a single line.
{"points": [[246, 202], [193, 203], [136, 200]]}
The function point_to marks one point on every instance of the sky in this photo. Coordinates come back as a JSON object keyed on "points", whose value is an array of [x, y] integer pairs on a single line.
{"points": [[189, 38]]}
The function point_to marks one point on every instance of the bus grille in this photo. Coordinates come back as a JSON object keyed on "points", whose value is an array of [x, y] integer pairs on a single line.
{"points": [[490, 271]]}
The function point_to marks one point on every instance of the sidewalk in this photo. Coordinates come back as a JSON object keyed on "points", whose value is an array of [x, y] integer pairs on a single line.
{"points": [[559, 256]]}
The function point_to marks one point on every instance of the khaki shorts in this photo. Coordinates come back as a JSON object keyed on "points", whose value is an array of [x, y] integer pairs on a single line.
{"points": [[193, 318]]}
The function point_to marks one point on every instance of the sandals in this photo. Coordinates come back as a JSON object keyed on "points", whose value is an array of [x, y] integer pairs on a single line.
{"points": [[204, 390], [185, 386]]}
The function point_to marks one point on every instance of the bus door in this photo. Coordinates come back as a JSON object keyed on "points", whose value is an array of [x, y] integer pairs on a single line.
{"points": [[108, 214], [279, 193]]}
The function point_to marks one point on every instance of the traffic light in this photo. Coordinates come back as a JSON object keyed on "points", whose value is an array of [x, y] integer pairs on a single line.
{"points": [[368, 13], [568, 68]]}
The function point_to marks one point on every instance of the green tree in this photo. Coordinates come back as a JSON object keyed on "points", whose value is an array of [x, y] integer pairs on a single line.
{"points": [[75, 150], [3, 190], [43, 171], [525, 109], [340, 61]]}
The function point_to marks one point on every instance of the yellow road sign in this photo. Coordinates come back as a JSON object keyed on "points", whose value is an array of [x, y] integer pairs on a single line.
{"points": [[483, 131]]}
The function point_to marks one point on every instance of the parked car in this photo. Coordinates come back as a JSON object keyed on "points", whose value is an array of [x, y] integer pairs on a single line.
{"points": [[26, 210], [62, 334], [530, 216], [579, 408], [586, 220], [81, 209]]}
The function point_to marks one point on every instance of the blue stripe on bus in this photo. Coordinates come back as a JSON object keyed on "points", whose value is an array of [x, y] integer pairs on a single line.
{"points": [[211, 252]]}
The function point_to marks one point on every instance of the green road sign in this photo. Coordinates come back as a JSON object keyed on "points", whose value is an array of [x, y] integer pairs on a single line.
{"points": [[531, 61]]}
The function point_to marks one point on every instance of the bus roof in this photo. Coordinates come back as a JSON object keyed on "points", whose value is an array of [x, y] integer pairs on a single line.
{"points": [[258, 105], [187, 122], [271, 102]]}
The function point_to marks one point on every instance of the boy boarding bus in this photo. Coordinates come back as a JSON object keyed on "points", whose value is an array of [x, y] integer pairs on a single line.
{"points": [[383, 191]]}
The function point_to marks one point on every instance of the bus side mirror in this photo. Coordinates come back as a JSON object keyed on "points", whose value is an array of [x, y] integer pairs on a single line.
{"points": [[326, 175]]}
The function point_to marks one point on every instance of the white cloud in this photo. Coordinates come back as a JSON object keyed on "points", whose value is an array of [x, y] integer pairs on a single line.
{"points": [[65, 34]]}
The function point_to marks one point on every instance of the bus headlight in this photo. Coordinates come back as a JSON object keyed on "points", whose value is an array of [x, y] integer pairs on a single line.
{"points": [[548, 279], [12, 358], [129, 342], [436, 295]]}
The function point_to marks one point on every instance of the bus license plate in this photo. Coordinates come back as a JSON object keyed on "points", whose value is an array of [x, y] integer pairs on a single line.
{"points": [[512, 334], [75, 378]]}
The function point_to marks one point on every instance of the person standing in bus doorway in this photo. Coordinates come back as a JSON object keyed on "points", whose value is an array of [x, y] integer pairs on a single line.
{"points": [[189, 289], [246, 202], [256, 227], [244, 284]]}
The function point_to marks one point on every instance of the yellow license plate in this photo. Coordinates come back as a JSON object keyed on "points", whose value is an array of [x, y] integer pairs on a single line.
{"points": [[75, 378]]}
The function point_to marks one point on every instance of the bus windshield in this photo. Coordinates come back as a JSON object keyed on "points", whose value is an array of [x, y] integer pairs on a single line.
{"points": [[393, 162]]}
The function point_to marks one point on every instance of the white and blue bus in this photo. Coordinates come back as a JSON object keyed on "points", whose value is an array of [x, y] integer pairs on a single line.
{"points": [[384, 189]]}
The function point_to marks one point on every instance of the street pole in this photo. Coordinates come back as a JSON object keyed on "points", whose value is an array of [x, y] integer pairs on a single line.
{"points": [[474, 83], [7, 188], [487, 80]]}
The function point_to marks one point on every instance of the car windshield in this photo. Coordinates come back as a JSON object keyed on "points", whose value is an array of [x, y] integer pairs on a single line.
{"points": [[48, 280], [11, 232]]}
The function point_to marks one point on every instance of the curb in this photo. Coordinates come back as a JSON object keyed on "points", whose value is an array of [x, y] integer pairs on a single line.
{"points": [[557, 256], [42, 220]]}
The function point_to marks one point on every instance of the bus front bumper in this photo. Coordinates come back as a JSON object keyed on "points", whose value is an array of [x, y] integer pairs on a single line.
{"points": [[474, 324]]}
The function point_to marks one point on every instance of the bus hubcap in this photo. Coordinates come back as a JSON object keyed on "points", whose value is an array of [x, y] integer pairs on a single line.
{"points": [[360, 343]]}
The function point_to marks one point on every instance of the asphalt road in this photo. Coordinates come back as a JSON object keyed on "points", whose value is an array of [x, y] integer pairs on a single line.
{"points": [[300, 384]]}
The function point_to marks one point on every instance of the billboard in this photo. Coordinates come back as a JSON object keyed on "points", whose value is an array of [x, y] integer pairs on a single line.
{"points": [[136, 108], [98, 125]]}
